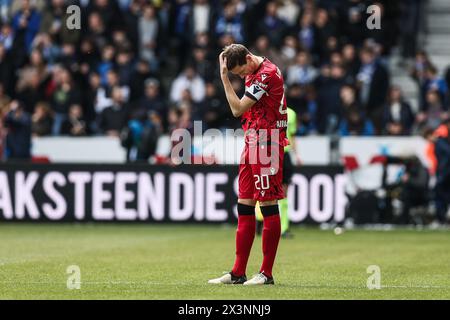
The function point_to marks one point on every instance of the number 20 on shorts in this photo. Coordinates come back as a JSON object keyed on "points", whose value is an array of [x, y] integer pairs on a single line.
{"points": [[261, 182]]}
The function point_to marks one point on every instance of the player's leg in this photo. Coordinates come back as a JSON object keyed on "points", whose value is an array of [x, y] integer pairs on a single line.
{"points": [[245, 234], [268, 191], [246, 228]]}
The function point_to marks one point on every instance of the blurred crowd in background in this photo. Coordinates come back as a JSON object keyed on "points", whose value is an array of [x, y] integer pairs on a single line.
{"points": [[140, 68]]}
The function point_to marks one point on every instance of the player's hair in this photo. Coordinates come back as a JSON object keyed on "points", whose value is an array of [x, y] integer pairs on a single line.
{"points": [[236, 55]]}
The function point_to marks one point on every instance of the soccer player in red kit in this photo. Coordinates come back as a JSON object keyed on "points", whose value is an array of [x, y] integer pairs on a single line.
{"points": [[263, 113]]}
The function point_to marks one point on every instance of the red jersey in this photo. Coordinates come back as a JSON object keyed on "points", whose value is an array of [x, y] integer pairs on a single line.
{"points": [[266, 87]]}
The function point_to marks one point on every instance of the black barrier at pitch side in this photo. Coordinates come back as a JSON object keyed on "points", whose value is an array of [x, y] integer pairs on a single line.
{"points": [[150, 193]]}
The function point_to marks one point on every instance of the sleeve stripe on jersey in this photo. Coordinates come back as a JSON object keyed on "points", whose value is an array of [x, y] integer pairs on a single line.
{"points": [[248, 94]]}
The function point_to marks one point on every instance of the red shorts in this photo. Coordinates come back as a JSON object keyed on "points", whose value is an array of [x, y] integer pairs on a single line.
{"points": [[261, 172]]}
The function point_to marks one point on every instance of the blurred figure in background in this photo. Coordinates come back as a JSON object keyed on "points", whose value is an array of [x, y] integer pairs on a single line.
{"points": [[18, 138], [442, 188], [75, 124], [414, 188], [141, 135], [114, 118], [373, 84], [398, 117], [42, 120]]}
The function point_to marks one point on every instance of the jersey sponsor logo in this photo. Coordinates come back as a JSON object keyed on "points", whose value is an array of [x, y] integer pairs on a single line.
{"points": [[260, 84], [281, 123]]}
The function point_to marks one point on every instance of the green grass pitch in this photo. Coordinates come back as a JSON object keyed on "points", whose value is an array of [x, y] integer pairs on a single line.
{"points": [[175, 262]]}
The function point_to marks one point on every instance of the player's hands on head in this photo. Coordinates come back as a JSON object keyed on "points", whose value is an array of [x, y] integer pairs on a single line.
{"points": [[223, 65]]}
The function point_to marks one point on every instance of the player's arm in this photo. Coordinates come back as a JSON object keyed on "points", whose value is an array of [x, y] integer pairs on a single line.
{"points": [[238, 106]]}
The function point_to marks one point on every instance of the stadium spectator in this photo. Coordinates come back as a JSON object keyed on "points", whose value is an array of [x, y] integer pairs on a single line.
{"points": [[152, 100], [141, 72], [142, 133], [288, 53], [329, 108], [350, 60], [398, 116], [442, 188], [18, 138], [54, 20], [42, 120], [114, 117], [26, 23], [305, 31], [30, 88], [190, 80], [433, 112], [355, 124], [64, 93], [373, 84], [206, 69], [75, 124], [214, 108], [230, 22], [302, 72], [149, 31], [271, 25], [414, 187]]}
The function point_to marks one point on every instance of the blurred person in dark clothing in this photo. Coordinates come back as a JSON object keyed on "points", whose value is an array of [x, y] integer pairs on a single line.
{"points": [[349, 99], [355, 124], [124, 67], [75, 124], [329, 111], [54, 21], [64, 94], [214, 108], [350, 60], [153, 100], [141, 135], [26, 23], [432, 81], [30, 89], [414, 187], [398, 116], [109, 12], [352, 15], [442, 188], [18, 138], [433, 112], [324, 29], [204, 67], [114, 118], [141, 72], [387, 35], [373, 84], [271, 25], [97, 30], [42, 120]]}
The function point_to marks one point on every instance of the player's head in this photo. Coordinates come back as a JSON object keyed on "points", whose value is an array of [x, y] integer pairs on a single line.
{"points": [[239, 60]]}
